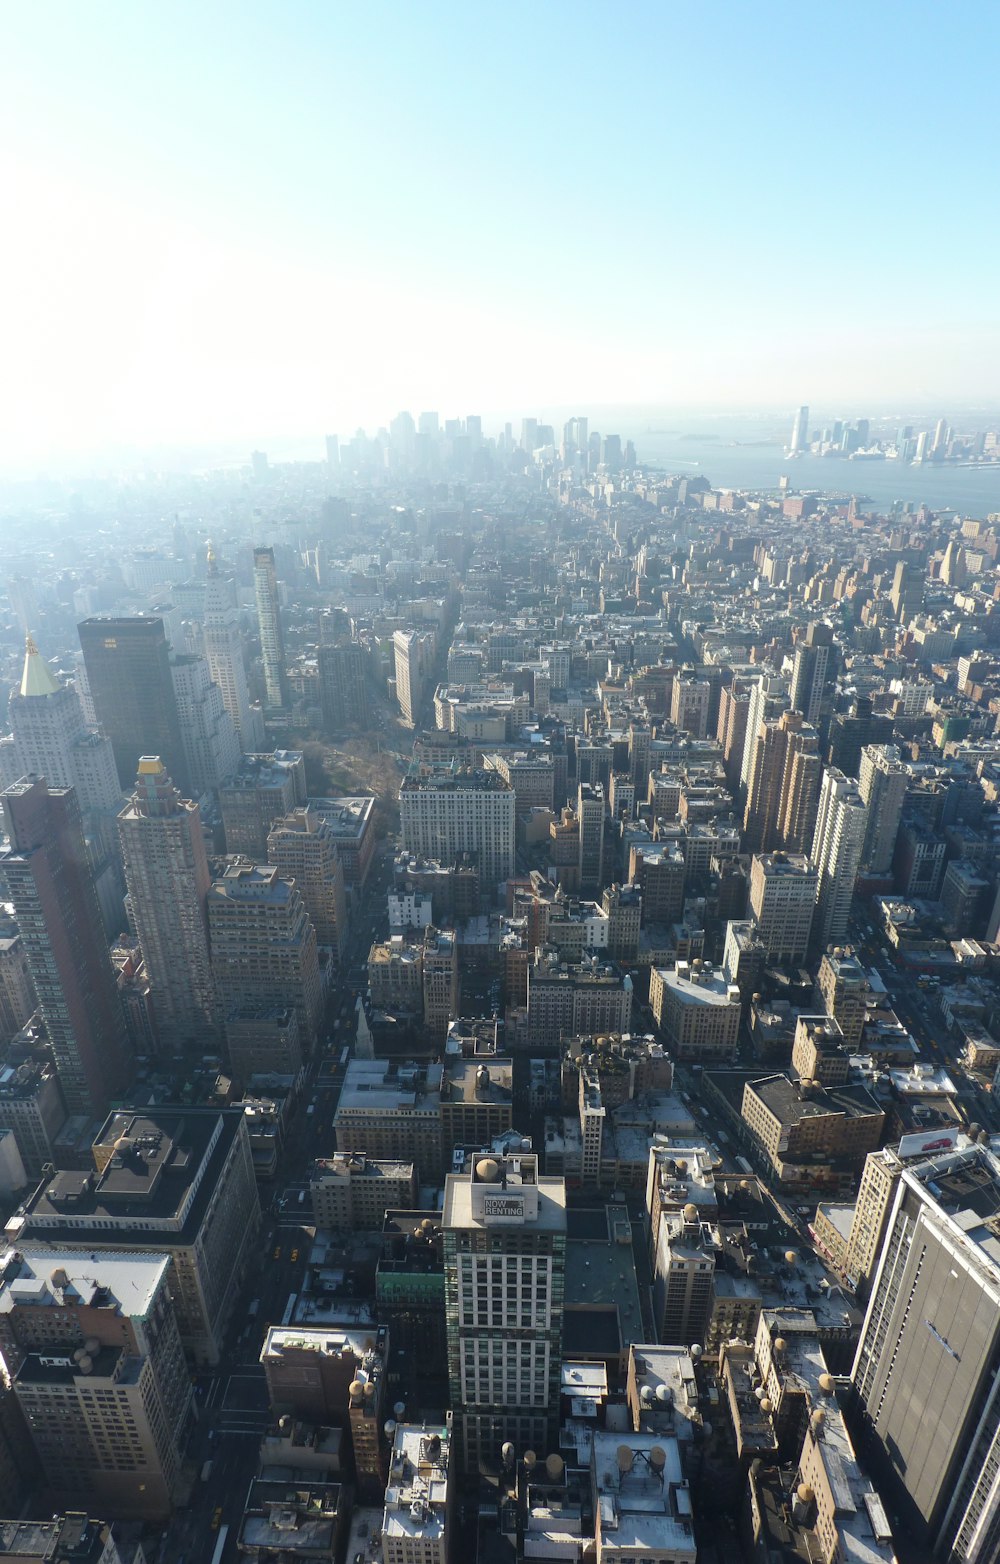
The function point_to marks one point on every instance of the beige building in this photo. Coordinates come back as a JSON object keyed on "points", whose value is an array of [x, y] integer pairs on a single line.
{"points": [[396, 975], [263, 1040], [440, 981], [875, 1194], [818, 1052], [264, 945], [477, 1096], [264, 788], [302, 846], [697, 1010], [782, 899], [95, 1360], [392, 1111], [844, 987], [351, 1190], [809, 1135]]}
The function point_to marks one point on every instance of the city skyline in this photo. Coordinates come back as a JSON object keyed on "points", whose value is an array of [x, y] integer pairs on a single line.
{"points": [[347, 213]]}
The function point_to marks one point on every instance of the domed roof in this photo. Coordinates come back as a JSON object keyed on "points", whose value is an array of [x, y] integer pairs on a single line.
{"points": [[488, 1169]]}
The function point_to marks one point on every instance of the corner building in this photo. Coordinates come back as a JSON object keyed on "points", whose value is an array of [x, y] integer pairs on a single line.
{"points": [[505, 1266]]}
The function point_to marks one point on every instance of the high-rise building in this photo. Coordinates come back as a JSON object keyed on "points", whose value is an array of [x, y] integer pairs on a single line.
{"points": [[444, 816], [53, 892], [343, 688], [782, 901], [171, 1181], [132, 689], [505, 1262], [811, 671], [50, 738], [927, 1370], [302, 847], [166, 869], [272, 644], [689, 702], [590, 812], [768, 699], [907, 591], [95, 1360], [18, 1000], [800, 431], [414, 652], [844, 987], [783, 783], [836, 852], [263, 789], [800, 790], [223, 642], [211, 743], [882, 785], [263, 945]]}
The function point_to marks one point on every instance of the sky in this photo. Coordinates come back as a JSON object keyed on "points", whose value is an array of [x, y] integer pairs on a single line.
{"points": [[260, 220]]}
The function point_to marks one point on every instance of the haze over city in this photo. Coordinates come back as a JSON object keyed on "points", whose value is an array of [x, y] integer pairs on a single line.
{"points": [[264, 223]]}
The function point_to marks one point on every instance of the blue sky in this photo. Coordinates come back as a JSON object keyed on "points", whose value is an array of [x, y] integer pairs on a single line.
{"points": [[261, 220]]}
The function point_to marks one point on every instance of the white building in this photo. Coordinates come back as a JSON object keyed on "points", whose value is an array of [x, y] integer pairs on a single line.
{"points": [[443, 816], [836, 852], [782, 901], [418, 1497]]}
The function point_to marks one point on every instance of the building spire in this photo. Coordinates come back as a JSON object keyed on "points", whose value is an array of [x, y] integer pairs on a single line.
{"points": [[213, 568], [37, 677]]}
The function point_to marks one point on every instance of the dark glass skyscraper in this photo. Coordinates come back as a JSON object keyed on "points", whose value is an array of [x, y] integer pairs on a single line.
{"points": [[128, 669], [52, 888]]}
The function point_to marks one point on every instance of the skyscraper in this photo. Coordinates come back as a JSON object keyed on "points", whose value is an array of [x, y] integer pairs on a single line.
{"points": [[343, 690], [768, 699], [590, 814], [132, 688], [800, 431], [836, 852], [211, 744], [505, 1264], [224, 654], [414, 659], [302, 847], [883, 783], [782, 900], [927, 1369], [167, 871], [272, 645], [811, 671], [263, 945], [52, 889], [443, 816]]}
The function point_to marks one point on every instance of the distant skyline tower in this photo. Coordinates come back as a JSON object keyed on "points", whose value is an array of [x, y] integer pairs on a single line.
{"points": [[800, 431], [132, 689], [52, 888], [836, 852], [224, 655], [272, 645], [166, 868]]}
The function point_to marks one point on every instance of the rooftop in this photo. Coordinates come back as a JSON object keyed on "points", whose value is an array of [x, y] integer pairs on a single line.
{"points": [[64, 1278]]}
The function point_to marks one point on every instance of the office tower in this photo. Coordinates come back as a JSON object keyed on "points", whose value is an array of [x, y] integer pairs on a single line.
{"points": [[343, 687], [177, 1181], [264, 788], [263, 945], [352, 1190], [800, 431], [940, 441], [850, 731], [302, 847], [223, 641], [660, 873], [954, 570], [442, 817], [414, 652], [689, 701], [836, 853], [812, 671], [53, 892], [211, 744], [529, 434], [418, 1501], [263, 1039], [907, 593], [259, 465], [18, 1000], [782, 902], [166, 869], [576, 999], [590, 814], [132, 688], [50, 738], [882, 785], [272, 644], [402, 433], [429, 424], [611, 452], [95, 1360], [505, 1265], [927, 1370]]}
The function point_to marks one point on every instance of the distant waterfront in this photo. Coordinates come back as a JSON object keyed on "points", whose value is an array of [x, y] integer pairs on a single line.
{"points": [[973, 491]]}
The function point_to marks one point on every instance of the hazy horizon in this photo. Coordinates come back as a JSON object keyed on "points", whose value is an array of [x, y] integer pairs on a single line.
{"points": [[246, 224]]}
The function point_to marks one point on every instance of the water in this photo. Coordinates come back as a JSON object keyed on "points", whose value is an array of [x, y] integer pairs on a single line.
{"points": [[709, 447]]}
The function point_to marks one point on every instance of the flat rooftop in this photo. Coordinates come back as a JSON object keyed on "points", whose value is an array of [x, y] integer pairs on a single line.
{"points": [[54, 1277], [387, 1086]]}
